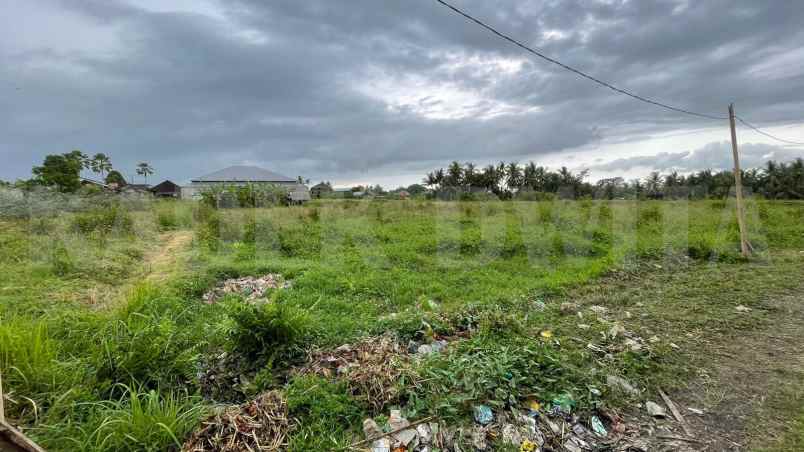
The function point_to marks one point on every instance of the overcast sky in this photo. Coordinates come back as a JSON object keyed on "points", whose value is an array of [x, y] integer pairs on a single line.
{"points": [[382, 91]]}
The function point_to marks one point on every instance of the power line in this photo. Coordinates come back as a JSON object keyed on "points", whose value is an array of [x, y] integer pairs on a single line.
{"points": [[757, 129], [572, 69]]}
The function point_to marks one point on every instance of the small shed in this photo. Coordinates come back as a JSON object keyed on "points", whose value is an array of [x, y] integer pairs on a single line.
{"points": [[166, 189], [299, 194], [320, 189]]}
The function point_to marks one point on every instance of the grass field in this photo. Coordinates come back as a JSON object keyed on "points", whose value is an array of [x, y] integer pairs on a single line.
{"points": [[97, 355]]}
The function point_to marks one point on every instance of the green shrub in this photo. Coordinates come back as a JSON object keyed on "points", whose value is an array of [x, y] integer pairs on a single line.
{"points": [[166, 219], [266, 330], [208, 232], [108, 219], [649, 214], [61, 263]]}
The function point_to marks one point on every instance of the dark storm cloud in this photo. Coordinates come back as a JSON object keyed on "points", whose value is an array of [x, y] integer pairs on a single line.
{"points": [[333, 89]]}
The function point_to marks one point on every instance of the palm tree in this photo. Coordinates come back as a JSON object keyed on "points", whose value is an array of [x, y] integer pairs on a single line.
{"points": [[100, 163], [144, 170], [513, 177]]}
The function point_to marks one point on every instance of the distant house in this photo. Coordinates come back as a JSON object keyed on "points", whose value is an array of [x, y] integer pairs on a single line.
{"points": [[235, 176], [138, 190], [299, 194], [403, 194], [94, 183], [320, 189], [343, 193], [166, 189]]}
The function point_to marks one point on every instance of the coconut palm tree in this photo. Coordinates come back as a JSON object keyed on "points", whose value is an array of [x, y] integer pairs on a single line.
{"points": [[100, 163], [145, 170]]}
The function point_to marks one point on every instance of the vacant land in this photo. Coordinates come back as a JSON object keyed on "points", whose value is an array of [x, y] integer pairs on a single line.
{"points": [[107, 342]]}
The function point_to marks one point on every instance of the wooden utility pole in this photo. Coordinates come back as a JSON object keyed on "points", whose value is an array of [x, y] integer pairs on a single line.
{"points": [[738, 182]]}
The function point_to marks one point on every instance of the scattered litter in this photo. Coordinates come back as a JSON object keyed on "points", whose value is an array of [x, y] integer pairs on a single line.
{"points": [[583, 326], [633, 345], [261, 424], [598, 427], [675, 346], [429, 349], [479, 439], [546, 334], [425, 434], [616, 330], [564, 403], [655, 410], [741, 308], [621, 384], [599, 310], [371, 429], [528, 446], [697, 411], [483, 414], [250, 287], [381, 445], [568, 308], [539, 305]]}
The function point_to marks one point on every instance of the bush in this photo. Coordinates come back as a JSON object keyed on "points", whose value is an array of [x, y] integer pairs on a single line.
{"points": [[166, 218], [60, 261], [265, 331], [208, 232], [112, 218]]}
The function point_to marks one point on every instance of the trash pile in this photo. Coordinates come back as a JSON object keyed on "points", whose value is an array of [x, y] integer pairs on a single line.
{"points": [[250, 287], [259, 425], [371, 367], [529, 430]]}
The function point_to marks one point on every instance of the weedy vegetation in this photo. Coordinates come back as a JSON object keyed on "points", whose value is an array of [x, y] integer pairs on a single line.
{"points": [[96, 357]]}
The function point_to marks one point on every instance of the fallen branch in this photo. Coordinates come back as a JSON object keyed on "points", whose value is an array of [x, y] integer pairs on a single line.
{"points": [[375, 438], [676, 413]]}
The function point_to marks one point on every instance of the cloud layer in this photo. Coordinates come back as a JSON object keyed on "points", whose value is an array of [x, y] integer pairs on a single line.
{"points": [[361, 88]]}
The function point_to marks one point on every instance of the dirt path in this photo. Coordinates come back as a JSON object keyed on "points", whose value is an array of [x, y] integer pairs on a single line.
{"points": [[157, 266], [737, 375], [752, 383], [162, 263]]}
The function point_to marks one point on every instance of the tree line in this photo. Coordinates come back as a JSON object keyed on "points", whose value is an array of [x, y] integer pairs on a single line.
{"points": [[63, 172], [776, 180]]}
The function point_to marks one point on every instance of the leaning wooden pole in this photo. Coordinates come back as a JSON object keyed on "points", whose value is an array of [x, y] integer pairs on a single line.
{"points": [[738, 182], [2, 406]]}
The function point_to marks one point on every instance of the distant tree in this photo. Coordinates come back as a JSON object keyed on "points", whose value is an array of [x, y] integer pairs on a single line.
{"points": [[101, 164], [454, 175], [114, 177], [416, 189], [62, 171], [144, 170], [513, 177]]}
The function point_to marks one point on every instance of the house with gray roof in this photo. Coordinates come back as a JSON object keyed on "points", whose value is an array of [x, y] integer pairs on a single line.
{"points": [[238, 176]]}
